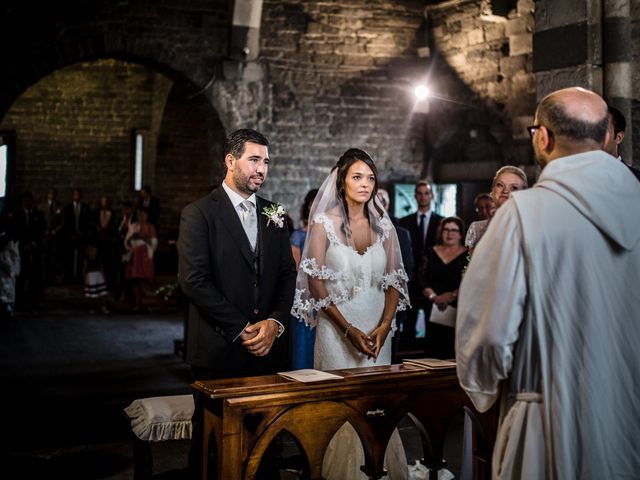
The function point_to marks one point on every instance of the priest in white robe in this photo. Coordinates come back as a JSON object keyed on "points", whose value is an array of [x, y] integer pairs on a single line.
{"points": [[549, 308]]}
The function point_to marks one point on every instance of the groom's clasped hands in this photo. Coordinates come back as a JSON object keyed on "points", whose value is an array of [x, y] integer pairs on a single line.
{"points": [[259, 337]]}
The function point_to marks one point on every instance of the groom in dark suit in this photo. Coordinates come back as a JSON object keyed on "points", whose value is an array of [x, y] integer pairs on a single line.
{"points": [[237, 270]]}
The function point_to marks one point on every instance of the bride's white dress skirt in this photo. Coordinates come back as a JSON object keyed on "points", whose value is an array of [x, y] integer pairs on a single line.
{"points": [[345, 454]]}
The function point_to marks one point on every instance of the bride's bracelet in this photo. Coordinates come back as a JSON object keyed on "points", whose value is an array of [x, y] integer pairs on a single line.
{"points": [[346, 330]]}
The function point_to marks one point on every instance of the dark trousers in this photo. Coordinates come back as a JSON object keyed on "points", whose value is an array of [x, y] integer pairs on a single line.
{"points": [[74, 260], [29, 282], [51, 259]]}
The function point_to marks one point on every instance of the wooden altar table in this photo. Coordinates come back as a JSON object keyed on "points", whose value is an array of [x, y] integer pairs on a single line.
{"points": [[243, 415]]}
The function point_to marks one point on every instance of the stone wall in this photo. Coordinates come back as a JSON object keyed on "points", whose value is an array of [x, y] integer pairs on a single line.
{"points": [[74, 129], [184, 169], [484, 86], [339, 76], [330, 75]]}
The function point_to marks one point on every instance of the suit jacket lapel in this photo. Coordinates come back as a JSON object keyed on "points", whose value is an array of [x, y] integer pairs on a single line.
{"points": [[230, 219]]}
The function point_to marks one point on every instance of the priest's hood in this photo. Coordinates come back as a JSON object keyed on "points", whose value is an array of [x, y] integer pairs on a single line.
{"points": [[602, 189]]}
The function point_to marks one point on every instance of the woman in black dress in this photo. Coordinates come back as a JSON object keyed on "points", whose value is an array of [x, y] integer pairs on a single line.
{"points": [[441, 277]]}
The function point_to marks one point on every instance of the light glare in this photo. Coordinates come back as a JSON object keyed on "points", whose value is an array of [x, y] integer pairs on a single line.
{"points": [[421, 92]]}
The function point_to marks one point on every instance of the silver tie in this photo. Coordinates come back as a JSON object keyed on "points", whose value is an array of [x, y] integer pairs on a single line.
{"points": [[249, 222]]}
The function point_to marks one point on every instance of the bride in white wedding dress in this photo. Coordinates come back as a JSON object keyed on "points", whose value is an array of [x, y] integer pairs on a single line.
{"points": [[350, 283]]}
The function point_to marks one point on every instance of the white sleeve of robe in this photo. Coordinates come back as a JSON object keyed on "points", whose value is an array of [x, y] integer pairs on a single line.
{"points": [[491, 308]]}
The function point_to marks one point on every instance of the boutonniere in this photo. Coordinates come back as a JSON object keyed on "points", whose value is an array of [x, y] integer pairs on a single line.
{"points": [[275, 213]]}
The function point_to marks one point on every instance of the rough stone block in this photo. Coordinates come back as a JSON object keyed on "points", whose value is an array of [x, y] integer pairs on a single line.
{"points": [[359, 60], [518, 25], [494, 31], [350, 49], [457, 60], [520, 44], [509, 66], [475, 37], [525, 7]]}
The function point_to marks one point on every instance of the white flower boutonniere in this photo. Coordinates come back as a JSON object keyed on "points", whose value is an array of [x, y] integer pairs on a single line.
{"points": [[275, 213]]}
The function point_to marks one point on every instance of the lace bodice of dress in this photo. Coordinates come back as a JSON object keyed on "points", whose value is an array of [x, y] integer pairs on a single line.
{"points": [[358, 271]]}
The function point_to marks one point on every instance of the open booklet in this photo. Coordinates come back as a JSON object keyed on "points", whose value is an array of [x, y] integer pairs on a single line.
{"points": [[430, 363], [309, 375]]}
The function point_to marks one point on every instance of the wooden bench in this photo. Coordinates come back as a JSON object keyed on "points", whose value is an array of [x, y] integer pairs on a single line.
{"points": [[157, 419]]}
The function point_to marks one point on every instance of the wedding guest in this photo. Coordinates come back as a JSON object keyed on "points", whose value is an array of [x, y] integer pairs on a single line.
{"points": [[506, 180], [423, 226], [122, 253], [141, 242], [77, 224], [350, 282], [616, 128], [51, 245], [484, 206], [548, 325], [440, 280], [239, 276], [150, 203], [30, 227], [9, 265], [95, 286], [105, 222], [301, 335]]}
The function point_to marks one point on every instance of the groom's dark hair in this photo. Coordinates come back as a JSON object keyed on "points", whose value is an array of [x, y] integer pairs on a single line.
{"points": [[235, 142]]}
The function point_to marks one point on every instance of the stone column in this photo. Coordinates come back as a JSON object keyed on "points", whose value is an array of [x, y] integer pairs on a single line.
{"points": [[617, 64], [567, 45]]}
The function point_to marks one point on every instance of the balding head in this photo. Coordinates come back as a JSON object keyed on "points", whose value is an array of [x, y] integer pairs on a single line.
{"points": [[571, 120]]}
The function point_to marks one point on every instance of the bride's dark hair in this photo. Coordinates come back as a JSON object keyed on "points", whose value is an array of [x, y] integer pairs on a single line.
{"points": [[347, 159]]}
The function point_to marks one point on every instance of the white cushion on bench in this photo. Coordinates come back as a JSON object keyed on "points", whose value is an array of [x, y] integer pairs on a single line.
{"points": [[156, 419]]}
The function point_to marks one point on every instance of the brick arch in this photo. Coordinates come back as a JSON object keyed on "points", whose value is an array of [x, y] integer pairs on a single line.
{"points": [[182, 42], [100, 163], [22, 75]]}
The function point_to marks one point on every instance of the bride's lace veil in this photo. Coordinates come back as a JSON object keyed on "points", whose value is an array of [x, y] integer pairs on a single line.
{"points": [[318, 285]]}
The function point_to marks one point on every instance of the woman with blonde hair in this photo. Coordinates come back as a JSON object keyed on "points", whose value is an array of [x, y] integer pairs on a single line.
{"points": [[507, 179]]}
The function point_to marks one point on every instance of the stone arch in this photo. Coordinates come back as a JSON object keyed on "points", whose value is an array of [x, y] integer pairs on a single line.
{"points": [[182, 43], [38, 168]]}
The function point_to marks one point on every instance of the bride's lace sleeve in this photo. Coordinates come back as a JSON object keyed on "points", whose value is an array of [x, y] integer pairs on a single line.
{"points": [[394, 274], [317, 285]]}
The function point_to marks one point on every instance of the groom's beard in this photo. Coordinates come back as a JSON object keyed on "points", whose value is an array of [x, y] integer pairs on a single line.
{"points": [[247, 184]]}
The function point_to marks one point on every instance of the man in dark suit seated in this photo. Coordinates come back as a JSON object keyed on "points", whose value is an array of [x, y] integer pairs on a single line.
{"points": [[423, 227], [239, 275]]}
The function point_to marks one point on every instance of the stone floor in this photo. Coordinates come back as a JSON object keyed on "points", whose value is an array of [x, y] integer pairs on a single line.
{"points": [[67, 376]]}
